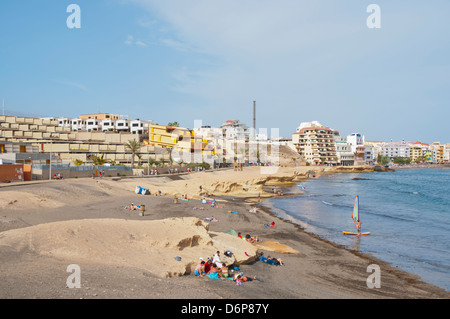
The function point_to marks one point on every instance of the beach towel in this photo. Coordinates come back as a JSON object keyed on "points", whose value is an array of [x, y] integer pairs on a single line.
{"points": [[232, 212], [213, 275]]}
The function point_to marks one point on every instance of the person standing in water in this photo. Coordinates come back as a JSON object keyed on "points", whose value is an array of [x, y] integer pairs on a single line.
{"points": [[358, 227]]}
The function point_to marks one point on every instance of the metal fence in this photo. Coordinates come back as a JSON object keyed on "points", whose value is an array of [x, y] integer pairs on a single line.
{"points": [[81, 168]]}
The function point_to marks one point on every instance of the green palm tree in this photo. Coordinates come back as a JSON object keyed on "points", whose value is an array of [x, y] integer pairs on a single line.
{"points": [[133, 146], [176, 124], [78, 162], [98, 160]]}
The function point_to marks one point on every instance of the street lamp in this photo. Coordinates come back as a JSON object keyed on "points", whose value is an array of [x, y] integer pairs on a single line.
{"points": [[51, 153]]}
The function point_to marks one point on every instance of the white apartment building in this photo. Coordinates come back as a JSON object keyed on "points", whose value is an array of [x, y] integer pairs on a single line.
{"points": [[139, 127], [107, 125], [355, 140], [92, 125], [344, 152], [396, 149], [368, 154], [234, 129], [447, 153], [78, 125], [376, 148], [122, 125]]}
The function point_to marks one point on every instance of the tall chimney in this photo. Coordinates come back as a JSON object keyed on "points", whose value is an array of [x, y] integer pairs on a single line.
{"points": [[254, 118]]}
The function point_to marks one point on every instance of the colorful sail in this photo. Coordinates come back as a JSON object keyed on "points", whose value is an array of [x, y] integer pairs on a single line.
{"points": [[355, 214]]}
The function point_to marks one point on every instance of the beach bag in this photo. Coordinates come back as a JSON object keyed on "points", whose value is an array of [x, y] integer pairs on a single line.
{"points": [[228, 253], [138, 189]]}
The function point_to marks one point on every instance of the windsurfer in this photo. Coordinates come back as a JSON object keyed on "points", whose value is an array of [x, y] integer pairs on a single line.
{"points": [[358, 227]]}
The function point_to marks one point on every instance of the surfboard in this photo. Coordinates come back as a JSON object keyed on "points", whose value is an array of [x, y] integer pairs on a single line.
{"points": [[350, 233]]}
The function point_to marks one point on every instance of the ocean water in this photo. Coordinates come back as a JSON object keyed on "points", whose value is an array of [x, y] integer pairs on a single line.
{"points": [[407, 213]]}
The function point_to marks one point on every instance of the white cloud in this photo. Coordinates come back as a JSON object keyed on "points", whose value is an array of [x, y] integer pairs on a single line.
{"points": [[131, 41], [308, 59], [174, 44], [140, 43], [75, 85]]}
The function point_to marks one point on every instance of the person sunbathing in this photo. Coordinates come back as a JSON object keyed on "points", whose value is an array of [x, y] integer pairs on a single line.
{"points": [[240, 276], [274, 261], [251, 239], [269, 260]]}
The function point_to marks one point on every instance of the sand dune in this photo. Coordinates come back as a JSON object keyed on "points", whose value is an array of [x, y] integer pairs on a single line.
{"points": [[246, 183], [22, 200], [148, 245]]}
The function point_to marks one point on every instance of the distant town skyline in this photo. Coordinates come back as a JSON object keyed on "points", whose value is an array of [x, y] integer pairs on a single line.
{"points": [[193, 60]]}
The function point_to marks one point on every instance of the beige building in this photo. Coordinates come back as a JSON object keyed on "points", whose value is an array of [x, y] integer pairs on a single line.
{"points": [[315, 143], [52, 135], [68, 145], [437, 151]]}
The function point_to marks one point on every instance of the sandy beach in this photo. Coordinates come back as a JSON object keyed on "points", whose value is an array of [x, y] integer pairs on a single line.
{"points": [[47, 226]]}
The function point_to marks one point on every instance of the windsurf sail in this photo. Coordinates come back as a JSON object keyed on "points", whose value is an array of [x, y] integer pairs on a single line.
{"points": [[355, 213]]}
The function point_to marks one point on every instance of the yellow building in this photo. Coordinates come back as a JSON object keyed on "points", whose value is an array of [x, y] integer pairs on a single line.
{"points": [[179, 138], [416, 153]]}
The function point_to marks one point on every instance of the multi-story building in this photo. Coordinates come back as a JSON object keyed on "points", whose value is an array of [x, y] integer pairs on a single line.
{"points": [[234, 129], [67, 145], [437, 151], [368, 154], [356, 141], [107, 125], [139, 127], [344, 152], [447, 153], [104, 116], [21, 153], [418, 151], [315, 143], [376, 148], [396, 149]]}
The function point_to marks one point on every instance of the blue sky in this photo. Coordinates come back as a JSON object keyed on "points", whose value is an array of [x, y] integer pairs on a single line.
{"points": [[186, 60]]}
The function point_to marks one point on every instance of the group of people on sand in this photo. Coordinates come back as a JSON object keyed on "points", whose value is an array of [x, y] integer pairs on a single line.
{"points": [[270, 260], [215, 268]]}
